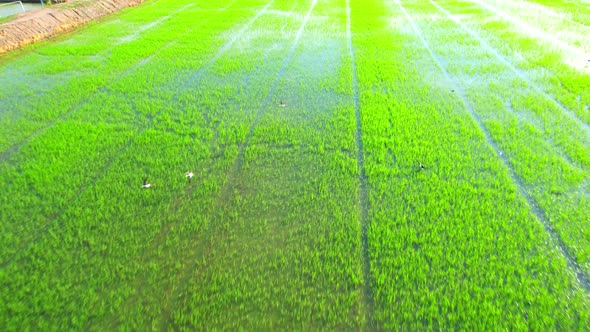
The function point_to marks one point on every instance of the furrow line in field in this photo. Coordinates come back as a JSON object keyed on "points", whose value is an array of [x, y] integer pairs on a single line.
{"points": [[536, 210], [227, 6], [585, 127], [240, 159], [162, 235], [367, 294], [166, 229], [16, 147], [146, 27], [236, 36], [534, 32], [559, 148], [225, 191], [103, 88], [100, 89], [175, 205], [93, 92], [87, 185], [53, 217]]}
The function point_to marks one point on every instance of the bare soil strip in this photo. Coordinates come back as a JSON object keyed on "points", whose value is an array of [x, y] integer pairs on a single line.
{"points": [[368, 296], [537, 211], [34, 26], [583, 125]]}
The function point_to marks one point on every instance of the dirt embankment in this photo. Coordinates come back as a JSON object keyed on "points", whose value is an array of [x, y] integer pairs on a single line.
{"points": [[36, 25]]}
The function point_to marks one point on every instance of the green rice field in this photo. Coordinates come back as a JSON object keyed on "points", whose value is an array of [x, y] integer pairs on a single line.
{"points": [[358, 165]]}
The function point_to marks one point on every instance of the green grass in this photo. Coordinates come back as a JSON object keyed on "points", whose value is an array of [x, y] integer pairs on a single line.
{"points": [[270, 233], [6, 18]]}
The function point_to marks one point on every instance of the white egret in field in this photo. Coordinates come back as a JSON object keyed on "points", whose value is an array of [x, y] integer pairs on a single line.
{"points": [[282, 104], [189, 175], [421, 166], [146, 184]]}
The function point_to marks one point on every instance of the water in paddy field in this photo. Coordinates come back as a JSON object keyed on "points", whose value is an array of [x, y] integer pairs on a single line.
{"points": [[7, 9]]}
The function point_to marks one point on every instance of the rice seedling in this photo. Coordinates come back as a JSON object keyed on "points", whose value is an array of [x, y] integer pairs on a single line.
{"points": [[297, 165]]}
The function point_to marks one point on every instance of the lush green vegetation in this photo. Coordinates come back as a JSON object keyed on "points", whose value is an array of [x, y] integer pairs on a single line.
{"points": [[290, 223], [462, 219]]}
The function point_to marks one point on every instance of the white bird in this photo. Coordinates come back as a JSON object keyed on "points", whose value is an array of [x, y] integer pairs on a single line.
{"points": [[189, 175], [421, 166], [146, 184], [282, 104]]}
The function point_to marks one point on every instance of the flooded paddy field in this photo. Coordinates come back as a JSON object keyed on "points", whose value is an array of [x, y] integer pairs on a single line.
{"points": [[300, 165]]}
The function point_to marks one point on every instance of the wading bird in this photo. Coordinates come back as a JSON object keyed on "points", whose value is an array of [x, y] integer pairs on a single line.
{"points": [[282, 104], [421, 166], [189, 175], [146, 184]]}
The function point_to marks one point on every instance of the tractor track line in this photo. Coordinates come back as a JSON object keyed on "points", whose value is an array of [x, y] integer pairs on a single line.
{"points": [[367, 292], [131, 36], [225, 191], [137, 65], [100, 89], [54, 216], [121, 151], [195, 78], [240, 158], [538, 212], [535, 32], [83, 101], [176, 205], [574, 117], [555, 146]]}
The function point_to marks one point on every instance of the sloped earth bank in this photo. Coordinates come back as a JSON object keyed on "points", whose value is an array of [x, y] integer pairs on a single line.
{"points": [[33, 26]]}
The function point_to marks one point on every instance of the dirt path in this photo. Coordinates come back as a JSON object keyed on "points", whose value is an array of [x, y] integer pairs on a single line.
{"points": [[36, 25]]}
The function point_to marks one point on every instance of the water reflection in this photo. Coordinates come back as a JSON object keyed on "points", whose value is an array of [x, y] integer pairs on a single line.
{"points": [[7, 9]]}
